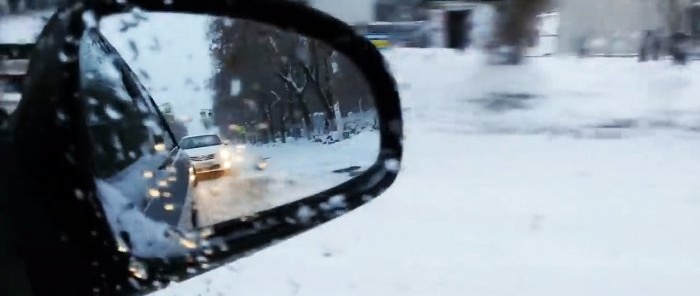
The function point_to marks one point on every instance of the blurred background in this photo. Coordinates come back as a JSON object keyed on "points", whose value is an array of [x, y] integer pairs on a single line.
{"points": [[508, 29]]}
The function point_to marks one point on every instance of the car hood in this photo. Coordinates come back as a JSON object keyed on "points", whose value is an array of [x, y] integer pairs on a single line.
{"points": [[202, 151]]}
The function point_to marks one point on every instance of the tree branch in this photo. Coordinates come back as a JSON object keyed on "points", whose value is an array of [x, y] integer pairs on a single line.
{"points": [[277, 97], [290, 82]]}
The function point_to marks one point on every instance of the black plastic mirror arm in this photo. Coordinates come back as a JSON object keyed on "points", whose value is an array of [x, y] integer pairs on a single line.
{"points": [[67, 244]]}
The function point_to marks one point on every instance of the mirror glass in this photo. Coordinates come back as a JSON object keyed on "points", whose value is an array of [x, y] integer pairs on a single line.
{"points": [[236, 118]]}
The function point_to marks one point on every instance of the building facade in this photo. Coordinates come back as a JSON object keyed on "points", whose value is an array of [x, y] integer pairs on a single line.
{"points": [[615, 27], [353, 12]]}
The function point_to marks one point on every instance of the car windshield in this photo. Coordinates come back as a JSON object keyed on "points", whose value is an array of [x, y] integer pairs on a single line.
{"points": [[201, 141]]}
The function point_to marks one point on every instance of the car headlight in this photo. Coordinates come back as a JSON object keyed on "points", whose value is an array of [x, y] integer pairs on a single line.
{"points": [[225, 153]]}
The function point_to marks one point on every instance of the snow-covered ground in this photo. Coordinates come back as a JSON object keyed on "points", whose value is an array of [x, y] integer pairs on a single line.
{"points": [[560, 177], [293, 171]]}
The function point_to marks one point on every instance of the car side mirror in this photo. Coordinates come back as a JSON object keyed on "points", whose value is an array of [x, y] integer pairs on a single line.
{"points": [[300, 89]]}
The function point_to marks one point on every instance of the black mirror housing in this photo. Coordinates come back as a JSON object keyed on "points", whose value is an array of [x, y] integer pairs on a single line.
{"points": [[65, 232]]}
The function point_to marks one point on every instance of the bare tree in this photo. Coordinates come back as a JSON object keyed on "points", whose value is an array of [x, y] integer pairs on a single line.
{"points": [[517, 23], [271, 82]]}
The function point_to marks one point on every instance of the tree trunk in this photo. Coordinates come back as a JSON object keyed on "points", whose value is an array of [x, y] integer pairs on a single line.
{"points": [[291, 116], [517, 22], [325, 100], [306, 115]]}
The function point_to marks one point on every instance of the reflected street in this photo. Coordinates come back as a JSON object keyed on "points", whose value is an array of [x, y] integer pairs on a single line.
{"points": [[308, 168]]}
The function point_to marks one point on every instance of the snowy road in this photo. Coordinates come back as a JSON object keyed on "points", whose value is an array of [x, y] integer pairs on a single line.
{"points": [[293, 170], [584, 185]]}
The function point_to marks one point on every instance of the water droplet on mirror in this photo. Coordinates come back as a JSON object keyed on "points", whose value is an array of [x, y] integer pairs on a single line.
{"points": [[61, 115], [169, 207], [262, 126], [153, 193], [138, 269], [112, 113], [337, 201], [171, 169], [65, 58], [172, 179], [168, 2], [89, 19], [188, 243], [79, 194], [70, 39], [191, 270], [206, 232], [166, 194], [392, 165], [202, 259], [163, 183], [305, 214], [334, 66], [121, 245], [147, 174], [235, 87], [160, 147]]}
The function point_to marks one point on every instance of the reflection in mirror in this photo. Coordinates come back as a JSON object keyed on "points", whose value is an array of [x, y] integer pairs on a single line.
{"points": [[189, 134]]}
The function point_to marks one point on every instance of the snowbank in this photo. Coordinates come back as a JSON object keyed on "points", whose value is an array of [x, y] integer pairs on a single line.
{"points": [[547, 95], [480, 210]]}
